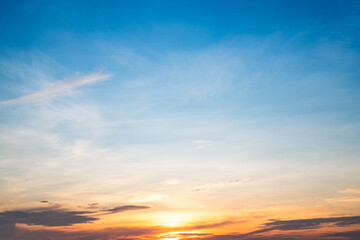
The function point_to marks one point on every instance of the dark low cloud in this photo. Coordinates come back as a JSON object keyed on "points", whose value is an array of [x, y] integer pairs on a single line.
{"points": [[124, 208], [93, 205], [351, 235], [7, 230], [242, 237], [46, 217], [57, 216], [312, 223], [297, 224], [132, 233], [53, 216], [119, 233]]}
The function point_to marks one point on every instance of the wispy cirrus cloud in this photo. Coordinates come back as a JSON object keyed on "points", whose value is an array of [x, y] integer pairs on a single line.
{"points": [[350, 191], [147, 198], [219, 185], [57, 88]]}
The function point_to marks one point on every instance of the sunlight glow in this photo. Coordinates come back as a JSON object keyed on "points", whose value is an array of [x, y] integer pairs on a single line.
{"points": [[173, 219]]}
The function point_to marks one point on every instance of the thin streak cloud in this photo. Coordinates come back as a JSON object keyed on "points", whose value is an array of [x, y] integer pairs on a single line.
{"points": [[219, 185], [124, 208], [57, 88]]}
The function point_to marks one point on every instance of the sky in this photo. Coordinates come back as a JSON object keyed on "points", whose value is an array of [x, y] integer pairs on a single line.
{"points": [[179, 120]]}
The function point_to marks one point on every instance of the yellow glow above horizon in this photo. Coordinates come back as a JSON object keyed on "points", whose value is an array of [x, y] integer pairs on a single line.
{"points": [[173, 219]]}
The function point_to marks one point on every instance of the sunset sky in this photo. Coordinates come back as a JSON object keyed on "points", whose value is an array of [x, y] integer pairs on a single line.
{"points": [[179, 120]]}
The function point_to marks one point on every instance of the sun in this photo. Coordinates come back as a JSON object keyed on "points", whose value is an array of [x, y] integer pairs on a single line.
{"points": [[173, 219]]}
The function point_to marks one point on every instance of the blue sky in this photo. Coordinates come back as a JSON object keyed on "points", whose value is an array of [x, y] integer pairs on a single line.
{"points": [[140, 101]]}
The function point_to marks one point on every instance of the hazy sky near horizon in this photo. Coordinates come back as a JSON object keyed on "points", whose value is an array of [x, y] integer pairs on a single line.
{"points": [[152, 117]]}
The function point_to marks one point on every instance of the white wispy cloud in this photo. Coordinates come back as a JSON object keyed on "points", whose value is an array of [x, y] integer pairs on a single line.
{"points": [[172, 181], [350, 191], [57, 88], [200, 144], [147, 198], [219, 185]]}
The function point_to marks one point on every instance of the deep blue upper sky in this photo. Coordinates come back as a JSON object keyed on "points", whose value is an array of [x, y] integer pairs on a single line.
{"points": [[70, 31], [286, 56], [29, 23]]}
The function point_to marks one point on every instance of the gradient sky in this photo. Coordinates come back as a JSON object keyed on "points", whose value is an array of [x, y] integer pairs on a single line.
{"points": [[216, 120]]}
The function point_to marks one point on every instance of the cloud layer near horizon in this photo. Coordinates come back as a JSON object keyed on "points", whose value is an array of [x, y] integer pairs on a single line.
{"points": [[56, 216], [289, 229]]}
